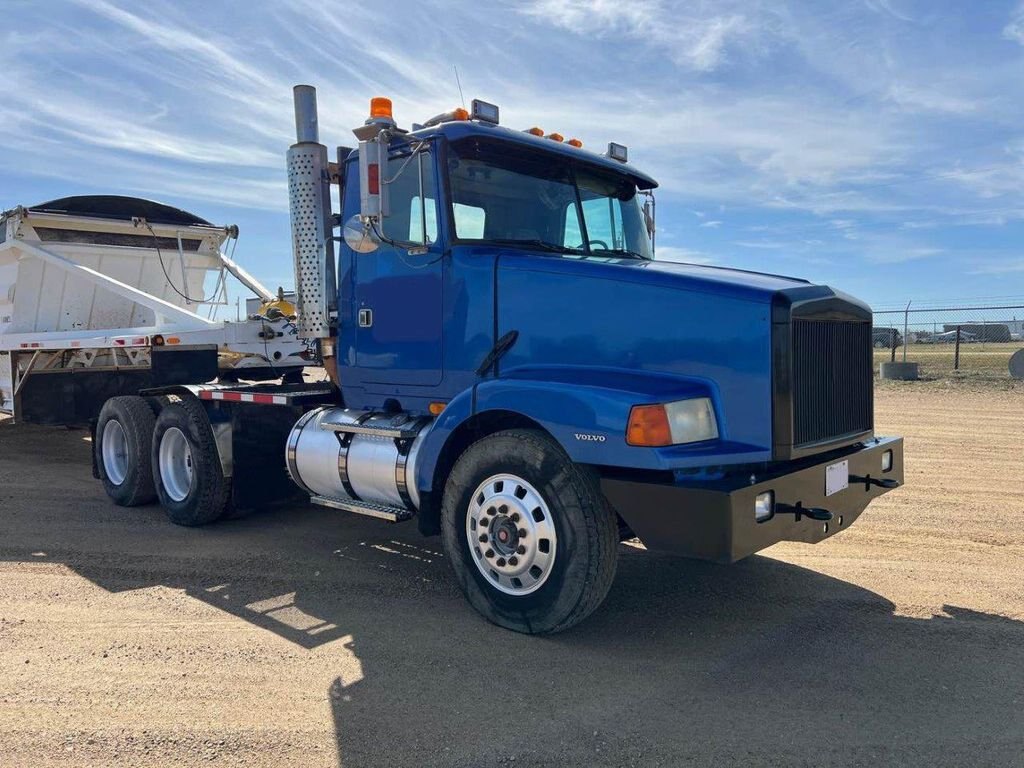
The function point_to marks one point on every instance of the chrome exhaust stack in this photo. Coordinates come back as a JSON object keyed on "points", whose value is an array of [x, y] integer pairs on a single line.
{"points": [[309, 201]]}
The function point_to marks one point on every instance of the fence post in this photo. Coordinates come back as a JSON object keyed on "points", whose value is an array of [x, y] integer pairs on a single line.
{"points": [[956, 352], [906, 324]]}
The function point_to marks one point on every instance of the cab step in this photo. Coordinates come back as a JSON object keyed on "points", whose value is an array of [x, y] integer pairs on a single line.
{"points": [[369, 508]]}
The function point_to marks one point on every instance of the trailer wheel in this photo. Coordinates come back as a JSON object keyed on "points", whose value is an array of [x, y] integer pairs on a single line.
{"points": [[186, 466], [528, 533], [121, 448]]}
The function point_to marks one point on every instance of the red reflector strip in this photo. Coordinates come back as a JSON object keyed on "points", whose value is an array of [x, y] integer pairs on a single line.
{"points": [[242, 397], [373, 178]]}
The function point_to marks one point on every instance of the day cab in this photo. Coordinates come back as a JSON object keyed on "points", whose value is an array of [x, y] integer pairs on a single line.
{"points": [[511, 366]]}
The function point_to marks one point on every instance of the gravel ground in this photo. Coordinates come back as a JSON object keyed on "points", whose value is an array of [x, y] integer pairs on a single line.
{"points": [[305, 637]]}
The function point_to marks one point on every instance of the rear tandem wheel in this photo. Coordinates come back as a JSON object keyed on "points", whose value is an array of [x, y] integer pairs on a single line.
{"points": [[186, 465], [121, 448]]}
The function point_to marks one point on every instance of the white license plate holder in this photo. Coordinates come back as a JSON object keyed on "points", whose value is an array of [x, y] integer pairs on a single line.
{"points": [[837, 477]]}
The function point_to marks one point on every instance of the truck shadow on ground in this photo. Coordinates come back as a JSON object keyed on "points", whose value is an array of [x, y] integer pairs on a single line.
{"points": [[686, 662]]}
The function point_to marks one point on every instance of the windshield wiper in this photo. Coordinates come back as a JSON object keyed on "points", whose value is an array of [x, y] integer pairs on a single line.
{"points": [[542, 245], [618, 252]]}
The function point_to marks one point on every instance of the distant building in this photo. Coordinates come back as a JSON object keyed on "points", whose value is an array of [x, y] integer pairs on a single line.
{"points": [[987, 331]]}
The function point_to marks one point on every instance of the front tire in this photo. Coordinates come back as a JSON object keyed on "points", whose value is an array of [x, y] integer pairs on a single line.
{"points": [[121, 448], [186, 465], [528, 533]]}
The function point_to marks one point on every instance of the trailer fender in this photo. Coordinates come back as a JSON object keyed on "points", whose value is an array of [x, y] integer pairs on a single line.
{"points": [[584, 410]]}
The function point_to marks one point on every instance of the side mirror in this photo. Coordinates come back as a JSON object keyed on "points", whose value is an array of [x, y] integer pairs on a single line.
{"points": [[649, 218], [424, 239], [360, 236]]}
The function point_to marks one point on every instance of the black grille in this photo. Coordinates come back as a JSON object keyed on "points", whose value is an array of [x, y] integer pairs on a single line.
{"points": [[832, 379]]}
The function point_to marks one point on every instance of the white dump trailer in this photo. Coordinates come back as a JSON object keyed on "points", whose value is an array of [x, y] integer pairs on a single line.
{"points": [[101, 296]]}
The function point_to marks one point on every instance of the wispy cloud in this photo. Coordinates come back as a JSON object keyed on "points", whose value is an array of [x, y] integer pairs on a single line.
{"points": [[929, 98], [695, 37], [1014, 29], [687, 255], [766, 244], [1001, 267]]}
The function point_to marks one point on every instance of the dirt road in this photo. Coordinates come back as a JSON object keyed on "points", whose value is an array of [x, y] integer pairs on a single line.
{"points": [[308, 638]]}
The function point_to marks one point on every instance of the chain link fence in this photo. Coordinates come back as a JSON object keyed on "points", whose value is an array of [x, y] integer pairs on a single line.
{"points": [[969, 342]]}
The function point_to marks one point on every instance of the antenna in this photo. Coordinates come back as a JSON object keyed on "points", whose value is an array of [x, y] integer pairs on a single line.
{"points": [[459, 83]]}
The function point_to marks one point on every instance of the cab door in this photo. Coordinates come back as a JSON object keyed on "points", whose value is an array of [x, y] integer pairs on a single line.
{"points": [[398, 288]]}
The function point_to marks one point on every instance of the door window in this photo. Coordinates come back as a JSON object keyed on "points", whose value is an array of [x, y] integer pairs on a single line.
{"points": [[411, 219]]}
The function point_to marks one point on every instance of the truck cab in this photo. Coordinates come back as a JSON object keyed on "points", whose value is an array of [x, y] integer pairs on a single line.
{"points": [[514, 368]]}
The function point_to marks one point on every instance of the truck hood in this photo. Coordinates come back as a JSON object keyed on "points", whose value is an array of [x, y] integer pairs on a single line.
{"points": [[739, 284], [719, 277], [699, 325]]}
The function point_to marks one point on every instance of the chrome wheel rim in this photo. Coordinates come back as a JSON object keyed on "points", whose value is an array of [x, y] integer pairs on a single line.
{"points": [[175, 464], [114, 447], [511, 534]]}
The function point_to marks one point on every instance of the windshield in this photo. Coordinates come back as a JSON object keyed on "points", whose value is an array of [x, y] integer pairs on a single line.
{"points": [[502, 195]]}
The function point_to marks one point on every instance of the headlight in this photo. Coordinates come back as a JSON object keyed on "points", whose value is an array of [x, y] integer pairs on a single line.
{"points": [[887, 461], [764, 506], [684, 421]]}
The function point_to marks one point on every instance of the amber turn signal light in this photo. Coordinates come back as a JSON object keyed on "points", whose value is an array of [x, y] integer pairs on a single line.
{"points": [[648, 426]]}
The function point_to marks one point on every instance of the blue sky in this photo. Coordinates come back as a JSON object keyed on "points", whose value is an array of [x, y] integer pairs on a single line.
{"points": [[876, 145]]}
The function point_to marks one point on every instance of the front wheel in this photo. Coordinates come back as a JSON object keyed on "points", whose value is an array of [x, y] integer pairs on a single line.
{"points": [[528, 533]]}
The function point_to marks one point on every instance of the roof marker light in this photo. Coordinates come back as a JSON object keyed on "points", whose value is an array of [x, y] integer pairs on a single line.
{"points": [[555, 137], [575, 143], [617, 152], [446, 117], [484, 112], [535, 131]]}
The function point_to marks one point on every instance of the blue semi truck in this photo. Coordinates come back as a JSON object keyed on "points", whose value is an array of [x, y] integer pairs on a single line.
{"points": [[508, 365]]}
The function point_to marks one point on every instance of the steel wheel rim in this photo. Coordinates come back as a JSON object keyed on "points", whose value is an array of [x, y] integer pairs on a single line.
{"points": [[175, 464], [114, 447], [511, 535]]}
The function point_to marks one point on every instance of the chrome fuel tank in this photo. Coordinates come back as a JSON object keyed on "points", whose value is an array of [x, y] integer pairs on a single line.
{"points": [[338, 453]]}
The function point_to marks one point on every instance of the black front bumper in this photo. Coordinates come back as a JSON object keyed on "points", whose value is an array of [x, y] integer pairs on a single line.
{"points": [[715, 520]]}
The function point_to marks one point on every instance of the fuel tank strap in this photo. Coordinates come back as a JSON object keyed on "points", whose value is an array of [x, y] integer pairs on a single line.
{"points": [[401, 464], [293, 442], [345, 442]]}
